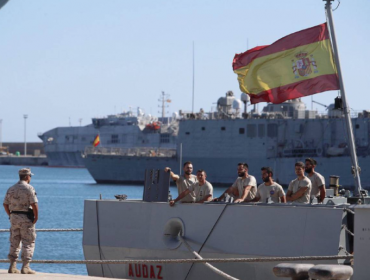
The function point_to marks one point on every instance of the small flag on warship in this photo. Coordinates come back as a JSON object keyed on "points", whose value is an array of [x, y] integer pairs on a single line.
{"points": [[96, 141], [297, 65]]}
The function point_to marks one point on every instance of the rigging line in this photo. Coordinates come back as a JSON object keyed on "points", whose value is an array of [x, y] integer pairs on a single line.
{"points": [[209, 234], [336, 6]]}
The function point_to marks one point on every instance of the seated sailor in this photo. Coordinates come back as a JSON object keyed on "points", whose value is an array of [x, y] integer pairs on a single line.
{"points": [[202, 189], [244, 188], [317, 180], [184, 181], [299, 189], [269, 190]]}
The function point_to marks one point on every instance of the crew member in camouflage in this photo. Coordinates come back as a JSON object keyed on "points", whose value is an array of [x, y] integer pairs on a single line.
{"points": [[18, 200]]}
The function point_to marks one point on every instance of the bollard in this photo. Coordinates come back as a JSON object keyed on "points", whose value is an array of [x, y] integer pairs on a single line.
{"points": [[296, 271], [331, 272]]}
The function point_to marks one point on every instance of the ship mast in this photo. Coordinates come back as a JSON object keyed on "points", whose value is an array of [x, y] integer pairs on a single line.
{"points": [[352, 148], [165, 98]]}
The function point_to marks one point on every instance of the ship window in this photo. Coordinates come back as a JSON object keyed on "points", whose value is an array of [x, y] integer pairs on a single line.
{"points": [[251, 130], [357, 126], [272, 130], [223, 128], [114, 139], [165, 138], [203, 128], [187, 133], [261, 130], [241, 130], [67, 138]]}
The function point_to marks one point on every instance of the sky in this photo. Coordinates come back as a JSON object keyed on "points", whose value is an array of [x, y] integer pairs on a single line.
{"points": [[66, 60]]}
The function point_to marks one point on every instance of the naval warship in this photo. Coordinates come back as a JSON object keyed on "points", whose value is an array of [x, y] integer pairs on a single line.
{"points": [[278, 136], [65, 145]]}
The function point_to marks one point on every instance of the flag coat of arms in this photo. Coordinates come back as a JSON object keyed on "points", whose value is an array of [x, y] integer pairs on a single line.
{"points": [[96, 141], [297, 65]]}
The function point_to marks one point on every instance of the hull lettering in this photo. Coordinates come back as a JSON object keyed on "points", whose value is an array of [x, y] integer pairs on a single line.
{"points": [[145, 271]]}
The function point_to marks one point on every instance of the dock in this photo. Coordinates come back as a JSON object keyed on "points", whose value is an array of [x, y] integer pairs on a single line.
{"points": [[4, 275]]}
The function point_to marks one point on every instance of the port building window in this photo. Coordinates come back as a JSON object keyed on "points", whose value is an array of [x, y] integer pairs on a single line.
{"points": [[251, 130], [165, 138], [241, 130], [272, 130], [261, 130]]}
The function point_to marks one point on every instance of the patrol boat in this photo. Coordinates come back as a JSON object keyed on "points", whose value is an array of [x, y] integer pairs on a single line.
{"points": [[152, 230]]}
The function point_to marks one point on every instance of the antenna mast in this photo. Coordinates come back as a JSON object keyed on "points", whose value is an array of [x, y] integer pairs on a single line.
{"points": [[352, 148], [165, 98], [192, 107]]}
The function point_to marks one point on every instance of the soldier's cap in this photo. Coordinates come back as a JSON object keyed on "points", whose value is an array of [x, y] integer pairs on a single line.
{"points": [[311, 160], [25, 171]]}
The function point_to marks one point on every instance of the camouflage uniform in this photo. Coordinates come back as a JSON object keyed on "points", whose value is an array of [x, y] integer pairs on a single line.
{"points": [[19, 198]]}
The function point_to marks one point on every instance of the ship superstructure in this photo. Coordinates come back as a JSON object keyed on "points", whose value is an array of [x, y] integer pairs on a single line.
{"points": [[64, 145], [278, 136]]}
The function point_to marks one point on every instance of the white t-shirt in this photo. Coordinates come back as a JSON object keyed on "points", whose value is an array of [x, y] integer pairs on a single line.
{"points": [[275, 191], [296, 184], [183, 184], [317, 180], [201, 192], [241, 183]]}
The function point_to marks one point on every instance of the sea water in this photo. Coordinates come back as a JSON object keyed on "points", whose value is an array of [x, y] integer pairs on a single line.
{"points": [[61, 193]]}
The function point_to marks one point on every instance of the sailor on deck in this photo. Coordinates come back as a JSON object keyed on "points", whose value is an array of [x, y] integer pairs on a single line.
{"points": [[202, 189], [184, 181], [299, 189], [317, 180], [244, 188], [269, 189]]}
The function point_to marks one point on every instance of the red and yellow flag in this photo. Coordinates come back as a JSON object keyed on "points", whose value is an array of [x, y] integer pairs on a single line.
{"points": [[297, 65], [96, 141]]}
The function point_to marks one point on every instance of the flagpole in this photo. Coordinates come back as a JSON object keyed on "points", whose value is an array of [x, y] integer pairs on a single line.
{"points": [[352, 148]]}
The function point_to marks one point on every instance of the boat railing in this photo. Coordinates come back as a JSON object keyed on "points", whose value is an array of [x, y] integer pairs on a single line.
{"points": [[134, 152]]}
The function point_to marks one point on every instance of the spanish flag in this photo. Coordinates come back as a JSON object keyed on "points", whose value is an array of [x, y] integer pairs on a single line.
{"points": [[96, 141], [297, 65]]}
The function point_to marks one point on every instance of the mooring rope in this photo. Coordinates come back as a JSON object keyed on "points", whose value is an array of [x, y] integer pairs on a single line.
{"points": [[209, 260], [50, 229], [219, 272], [349, 211], [347, 230]]}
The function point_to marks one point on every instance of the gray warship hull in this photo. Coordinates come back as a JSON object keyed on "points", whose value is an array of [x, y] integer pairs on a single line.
{"points": [[129, 230], [218, 145]]}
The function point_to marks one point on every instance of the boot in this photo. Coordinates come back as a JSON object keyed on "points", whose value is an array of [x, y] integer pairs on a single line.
{"points": [[13, 267], [26, 268]]}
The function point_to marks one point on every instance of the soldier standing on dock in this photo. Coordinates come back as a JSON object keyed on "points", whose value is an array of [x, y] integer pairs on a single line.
{"points": [[20, 203]]}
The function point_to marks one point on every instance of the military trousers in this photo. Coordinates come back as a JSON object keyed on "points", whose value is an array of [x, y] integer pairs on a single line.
{"points": [[22, 231]]}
